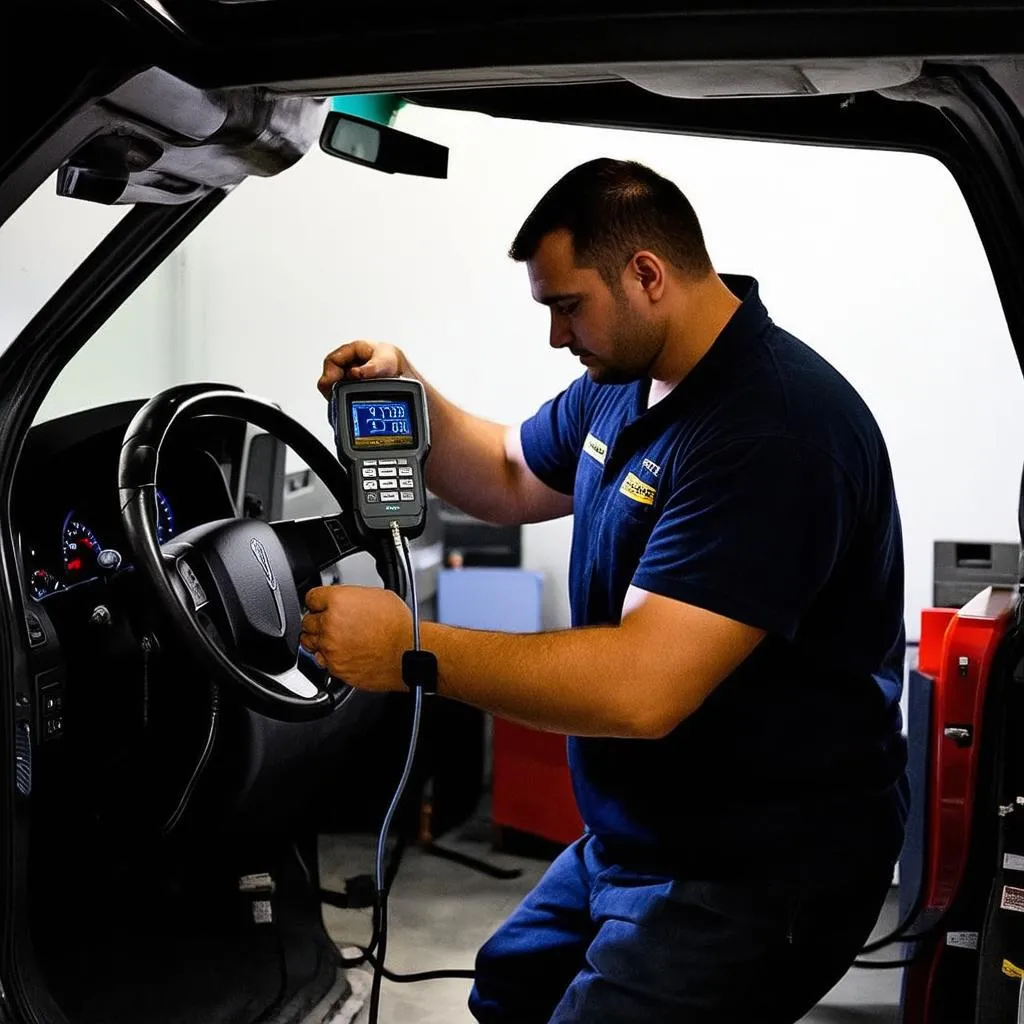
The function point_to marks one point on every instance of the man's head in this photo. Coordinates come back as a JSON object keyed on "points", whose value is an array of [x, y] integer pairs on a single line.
{"points": [[609, 249]]}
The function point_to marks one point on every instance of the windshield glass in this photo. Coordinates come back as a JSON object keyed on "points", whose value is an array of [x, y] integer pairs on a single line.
{"points": [[40, 245], [130, 355], [871, 258]]}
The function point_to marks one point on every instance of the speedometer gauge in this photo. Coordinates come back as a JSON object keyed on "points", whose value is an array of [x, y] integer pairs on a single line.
{"points": [[164, 518], [81, 548]]}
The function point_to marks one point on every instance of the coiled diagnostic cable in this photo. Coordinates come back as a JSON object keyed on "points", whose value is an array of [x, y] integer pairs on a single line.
{"points": [[414, 672]]}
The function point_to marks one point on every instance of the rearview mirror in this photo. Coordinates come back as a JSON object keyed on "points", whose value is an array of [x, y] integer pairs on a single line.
{"points": [[382, 148]]}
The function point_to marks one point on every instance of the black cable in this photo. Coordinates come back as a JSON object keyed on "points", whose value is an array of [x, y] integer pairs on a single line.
{"points": [[409, 979], [389, 878], [909, 940], [402, 580], [204, 757], [899, 933], [374, 954], [402, 547]]}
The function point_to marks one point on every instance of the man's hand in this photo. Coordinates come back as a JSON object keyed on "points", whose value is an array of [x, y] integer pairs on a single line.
{"points": [[475, 465], [361, 360], [359, 635]]}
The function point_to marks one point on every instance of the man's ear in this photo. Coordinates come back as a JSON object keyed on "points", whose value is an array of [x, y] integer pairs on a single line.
{"points": [[649, 273]]}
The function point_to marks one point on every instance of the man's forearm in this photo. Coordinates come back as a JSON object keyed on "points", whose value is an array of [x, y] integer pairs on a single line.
{"points": [[577, 682], [467, 466]]}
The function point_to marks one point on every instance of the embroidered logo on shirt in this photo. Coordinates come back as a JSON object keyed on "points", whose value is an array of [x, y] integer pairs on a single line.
{"points": [[652, 467], [633, 487], [595, 449]]}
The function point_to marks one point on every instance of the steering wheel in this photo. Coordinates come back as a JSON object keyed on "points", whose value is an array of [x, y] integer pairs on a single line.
{"points": [[233, 589]]}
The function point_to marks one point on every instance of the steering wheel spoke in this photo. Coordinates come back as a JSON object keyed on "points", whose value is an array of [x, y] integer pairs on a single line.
{"points": [[305, 679], [315, 544]]}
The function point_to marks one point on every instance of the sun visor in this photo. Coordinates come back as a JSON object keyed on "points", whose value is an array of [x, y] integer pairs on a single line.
{"points": [[166, 141], [749, 79]]}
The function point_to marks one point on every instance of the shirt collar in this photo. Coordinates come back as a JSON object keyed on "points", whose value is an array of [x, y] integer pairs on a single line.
{"points": [[750, 318], [746, 323]]}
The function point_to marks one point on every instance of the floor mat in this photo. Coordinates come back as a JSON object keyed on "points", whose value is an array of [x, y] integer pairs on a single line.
{"points": [[186, 962], [164, 979]]}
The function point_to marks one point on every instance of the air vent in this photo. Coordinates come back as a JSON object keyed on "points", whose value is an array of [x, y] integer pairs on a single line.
{"points": [[23, 758]]}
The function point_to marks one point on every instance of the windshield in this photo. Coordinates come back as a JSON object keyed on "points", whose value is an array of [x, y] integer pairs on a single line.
{"points": [[871, 258], [40, 245]]}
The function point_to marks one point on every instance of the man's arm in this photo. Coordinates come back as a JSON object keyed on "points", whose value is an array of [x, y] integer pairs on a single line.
{"points": [[475, 465], [639, 679]]}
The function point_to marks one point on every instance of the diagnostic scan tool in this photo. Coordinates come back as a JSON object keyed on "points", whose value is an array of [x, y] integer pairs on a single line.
{"points": [[383, 438]]}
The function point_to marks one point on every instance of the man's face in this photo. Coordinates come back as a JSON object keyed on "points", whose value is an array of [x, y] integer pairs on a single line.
{"points": [[614, 333]]}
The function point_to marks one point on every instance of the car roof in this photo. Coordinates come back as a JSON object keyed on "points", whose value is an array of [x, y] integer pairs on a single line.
{"points": [[320, 45], [173, 102], [163, 100]]}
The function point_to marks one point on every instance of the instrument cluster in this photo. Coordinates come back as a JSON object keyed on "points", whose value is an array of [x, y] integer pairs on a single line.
{"points": [[83, 550]]}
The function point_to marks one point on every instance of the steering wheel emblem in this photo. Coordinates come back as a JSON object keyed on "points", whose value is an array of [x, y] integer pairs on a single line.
{"points": [[264, 559]]}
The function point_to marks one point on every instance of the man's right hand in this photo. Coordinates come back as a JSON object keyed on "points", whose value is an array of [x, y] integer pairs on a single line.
{"points": [[475, 465], [361, 360]]}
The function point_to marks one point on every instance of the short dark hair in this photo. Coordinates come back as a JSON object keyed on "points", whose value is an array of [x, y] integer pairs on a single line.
{"points": [[613, 209]]}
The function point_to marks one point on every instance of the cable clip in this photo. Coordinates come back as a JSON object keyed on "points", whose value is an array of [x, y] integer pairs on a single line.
{"points": [[419, 671]]}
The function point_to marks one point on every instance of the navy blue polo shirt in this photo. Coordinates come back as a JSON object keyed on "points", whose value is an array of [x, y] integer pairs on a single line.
{"points": [[759, 488]]}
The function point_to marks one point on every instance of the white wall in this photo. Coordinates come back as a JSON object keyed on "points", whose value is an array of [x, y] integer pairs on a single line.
{"points": [[133, 353]]}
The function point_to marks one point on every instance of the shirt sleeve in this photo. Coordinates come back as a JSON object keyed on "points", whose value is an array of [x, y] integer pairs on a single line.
{"points": [[751, 531], [552, 438]]}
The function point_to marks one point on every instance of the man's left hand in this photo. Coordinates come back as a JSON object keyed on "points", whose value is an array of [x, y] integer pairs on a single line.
{"points": [[358, 634]]}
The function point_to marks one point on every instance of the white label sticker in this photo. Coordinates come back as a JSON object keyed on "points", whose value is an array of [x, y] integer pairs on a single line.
{"points": [[595, 448], [962, 940], [262, 913], [1013, 862], [261, 882], [1013, 899]]}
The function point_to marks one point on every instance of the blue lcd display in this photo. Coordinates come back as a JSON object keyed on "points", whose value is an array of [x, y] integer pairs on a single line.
{"points": [[382, 424]]}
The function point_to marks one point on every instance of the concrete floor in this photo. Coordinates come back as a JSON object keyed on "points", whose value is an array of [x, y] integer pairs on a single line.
{"points": [[441, 913]]}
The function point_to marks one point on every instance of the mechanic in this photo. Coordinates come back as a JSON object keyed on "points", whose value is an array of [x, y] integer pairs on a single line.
{"points": [[731, 682]]}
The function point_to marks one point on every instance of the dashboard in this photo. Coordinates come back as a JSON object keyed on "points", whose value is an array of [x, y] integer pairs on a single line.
{"points": [[81, 554], [66, 500]]}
